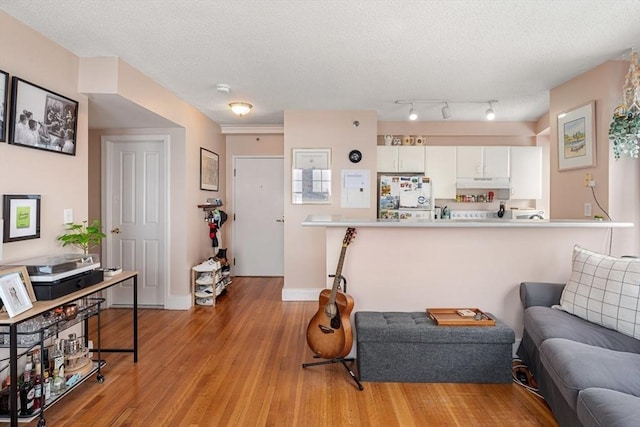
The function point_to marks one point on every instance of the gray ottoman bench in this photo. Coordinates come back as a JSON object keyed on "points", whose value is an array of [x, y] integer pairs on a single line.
{"points": [[410, 347]]}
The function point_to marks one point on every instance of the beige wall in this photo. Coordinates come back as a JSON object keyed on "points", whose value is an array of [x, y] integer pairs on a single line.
{"points": [[188, 239], [617, 184], [304, 259], [61, 180], [66, 183]]}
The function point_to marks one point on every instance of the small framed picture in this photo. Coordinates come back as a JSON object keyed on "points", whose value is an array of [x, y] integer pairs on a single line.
{"points": [[577, 138], [209, 170], [4, 98], [16, 290], [21, 217], [42, 119]]}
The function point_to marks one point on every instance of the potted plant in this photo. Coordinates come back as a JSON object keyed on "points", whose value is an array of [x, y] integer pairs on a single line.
{"points": [[83, 236]]}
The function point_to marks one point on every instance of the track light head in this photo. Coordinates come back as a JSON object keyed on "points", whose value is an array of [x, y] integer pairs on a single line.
{"points": [[412, 114], [445, 111], [490, 113]]}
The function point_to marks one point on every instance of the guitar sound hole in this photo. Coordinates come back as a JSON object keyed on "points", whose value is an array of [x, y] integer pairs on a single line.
{"points": [[325, 330]]}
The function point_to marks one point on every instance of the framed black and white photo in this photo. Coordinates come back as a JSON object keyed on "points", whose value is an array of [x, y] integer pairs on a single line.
{"points": [[21, 215], [16, 290], [4, 99], [577, 138], [209, 170], [42, 119]]}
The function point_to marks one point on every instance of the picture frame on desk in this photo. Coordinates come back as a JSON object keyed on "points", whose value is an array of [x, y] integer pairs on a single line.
{"points": [[16, 290]]}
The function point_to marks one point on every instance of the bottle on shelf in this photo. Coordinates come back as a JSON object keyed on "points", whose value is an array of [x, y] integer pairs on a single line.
{"points": [[26, 390], [58, 355], [4, 396], [46, 388], [37, 392], [58, 384]]}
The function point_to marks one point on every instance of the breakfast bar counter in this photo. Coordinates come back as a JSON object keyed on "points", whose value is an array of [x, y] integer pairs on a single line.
{"points": [[340, 221], [409, 266]]}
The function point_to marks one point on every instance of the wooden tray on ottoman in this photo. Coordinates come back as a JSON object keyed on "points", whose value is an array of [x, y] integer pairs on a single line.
{"points": [[450, 317]]}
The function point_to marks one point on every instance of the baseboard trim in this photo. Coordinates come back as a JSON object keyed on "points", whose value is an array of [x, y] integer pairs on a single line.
{"points": [[181, 302], [300, 294]]}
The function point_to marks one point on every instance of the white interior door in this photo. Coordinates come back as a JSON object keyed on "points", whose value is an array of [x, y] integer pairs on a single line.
{"points": [[135, 207], [258, 230]]}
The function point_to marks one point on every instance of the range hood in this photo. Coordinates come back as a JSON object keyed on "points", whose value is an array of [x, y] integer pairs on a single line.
{"points": [[483, 183]]}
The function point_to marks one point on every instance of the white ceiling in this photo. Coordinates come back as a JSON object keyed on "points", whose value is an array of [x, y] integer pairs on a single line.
{"points": [[348, 54]]}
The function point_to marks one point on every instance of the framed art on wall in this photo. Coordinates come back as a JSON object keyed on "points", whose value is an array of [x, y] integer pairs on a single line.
{"points": [[21, 215], [4, 98], [42, 119], [577, 138], [209, 170], [16, 290], [311, 176]]}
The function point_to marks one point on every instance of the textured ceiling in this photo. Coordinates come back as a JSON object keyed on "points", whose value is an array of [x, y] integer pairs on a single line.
{"points": [[348, 54]]}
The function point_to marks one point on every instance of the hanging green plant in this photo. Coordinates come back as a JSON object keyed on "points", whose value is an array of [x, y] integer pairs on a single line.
{"points": [[83, 236], [624, 133]]}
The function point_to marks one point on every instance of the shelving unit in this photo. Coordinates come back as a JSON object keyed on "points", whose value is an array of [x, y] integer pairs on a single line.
{"points": [[218, 281], [14, 337]]}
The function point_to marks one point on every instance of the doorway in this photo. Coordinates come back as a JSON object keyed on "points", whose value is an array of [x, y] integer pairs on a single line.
{"points": [[134, 211], [258, 231]]}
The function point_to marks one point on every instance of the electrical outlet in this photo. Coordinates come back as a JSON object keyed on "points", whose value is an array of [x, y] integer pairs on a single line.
{"points": [[587, 209], [587, 179], [592, 183]]}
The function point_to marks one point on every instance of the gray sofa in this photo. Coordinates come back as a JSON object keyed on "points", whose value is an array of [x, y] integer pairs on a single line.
{"points": [[589, 375]]}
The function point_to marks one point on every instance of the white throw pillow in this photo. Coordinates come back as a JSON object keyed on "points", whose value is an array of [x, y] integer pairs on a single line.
{"points": [[604, 290]]}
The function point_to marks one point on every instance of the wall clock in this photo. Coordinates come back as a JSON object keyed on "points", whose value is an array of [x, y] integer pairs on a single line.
{"points": [[355, 156]]}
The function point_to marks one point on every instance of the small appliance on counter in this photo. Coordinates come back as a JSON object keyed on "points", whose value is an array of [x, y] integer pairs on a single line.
{"points": [[58, 275]]}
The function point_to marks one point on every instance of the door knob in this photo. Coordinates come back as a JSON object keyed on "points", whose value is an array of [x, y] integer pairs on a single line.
{"points": [[280, 220], [116, 230]]}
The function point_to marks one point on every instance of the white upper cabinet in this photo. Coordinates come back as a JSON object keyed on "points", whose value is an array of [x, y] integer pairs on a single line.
{"points": [[398, 158], [440, 166], [526, 172], [482, 162]]}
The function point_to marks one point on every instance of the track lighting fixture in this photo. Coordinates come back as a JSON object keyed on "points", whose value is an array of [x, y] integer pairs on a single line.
{"points": [[412, 114], [490, 113], [446, 112]]}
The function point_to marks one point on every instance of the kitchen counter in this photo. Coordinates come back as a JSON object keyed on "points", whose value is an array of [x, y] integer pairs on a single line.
{"points": [[407, 266], [340, 221]]}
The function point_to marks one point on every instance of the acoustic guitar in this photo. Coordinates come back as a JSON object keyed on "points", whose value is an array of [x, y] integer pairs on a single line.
{"points": [[329, 332]]}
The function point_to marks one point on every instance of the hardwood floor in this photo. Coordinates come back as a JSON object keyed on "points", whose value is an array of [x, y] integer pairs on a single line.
{"points": [[239, 364]]}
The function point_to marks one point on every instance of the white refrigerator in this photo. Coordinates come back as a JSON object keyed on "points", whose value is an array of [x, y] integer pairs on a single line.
{"points": [[404, 197]]}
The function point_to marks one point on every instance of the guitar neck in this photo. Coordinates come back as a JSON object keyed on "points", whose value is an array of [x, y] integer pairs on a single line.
{"points": [[336, 279]]}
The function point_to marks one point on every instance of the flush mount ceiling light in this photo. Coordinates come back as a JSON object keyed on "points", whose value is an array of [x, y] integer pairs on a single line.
{"points": [[240, 108], [446, 112]]}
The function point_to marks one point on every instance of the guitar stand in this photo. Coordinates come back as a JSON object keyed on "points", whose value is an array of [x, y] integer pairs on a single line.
{"points": [[337, 360], [342, 360]]}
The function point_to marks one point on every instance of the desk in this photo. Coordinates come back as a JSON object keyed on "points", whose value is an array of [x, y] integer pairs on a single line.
{"points": [[40, 307]]}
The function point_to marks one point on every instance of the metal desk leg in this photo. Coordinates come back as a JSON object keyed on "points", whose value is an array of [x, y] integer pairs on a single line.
{"points": [[135, 319], [13, 372]]}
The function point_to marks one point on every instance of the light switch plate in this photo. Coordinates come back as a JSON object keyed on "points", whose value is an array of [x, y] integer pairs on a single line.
{"points": [[68, 216]]}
